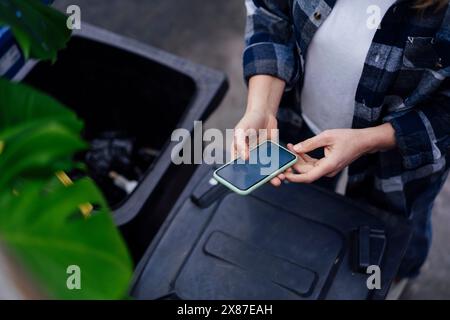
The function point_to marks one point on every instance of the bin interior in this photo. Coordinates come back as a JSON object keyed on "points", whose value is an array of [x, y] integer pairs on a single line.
{"points": [[130, 106]]}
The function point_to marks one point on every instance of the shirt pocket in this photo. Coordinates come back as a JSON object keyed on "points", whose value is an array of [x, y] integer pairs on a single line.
{"points": [[420, 54]]}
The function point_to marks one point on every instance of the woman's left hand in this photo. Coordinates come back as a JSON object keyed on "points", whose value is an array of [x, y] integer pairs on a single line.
{"points": [[341, 147]]}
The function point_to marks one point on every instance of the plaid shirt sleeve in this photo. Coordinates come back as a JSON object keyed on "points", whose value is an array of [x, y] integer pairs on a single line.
{"points": [[423, 134], [270, 45]]}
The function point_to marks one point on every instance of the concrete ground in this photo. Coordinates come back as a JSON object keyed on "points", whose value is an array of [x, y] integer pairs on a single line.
{"points": [[211, 32]]}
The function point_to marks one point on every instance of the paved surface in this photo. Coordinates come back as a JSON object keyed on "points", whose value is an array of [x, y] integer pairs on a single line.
{"points": [[210, 32]]}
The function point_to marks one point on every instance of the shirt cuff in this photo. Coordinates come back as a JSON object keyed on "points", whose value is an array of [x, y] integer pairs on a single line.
{"points": [[271, 59], [415, 139]]}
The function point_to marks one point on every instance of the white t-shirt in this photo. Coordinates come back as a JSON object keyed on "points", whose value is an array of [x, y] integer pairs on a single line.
{"points": [[335, 60]]}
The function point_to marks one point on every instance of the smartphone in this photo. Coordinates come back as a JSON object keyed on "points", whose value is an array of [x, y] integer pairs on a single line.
{"points": [[265, 162]]}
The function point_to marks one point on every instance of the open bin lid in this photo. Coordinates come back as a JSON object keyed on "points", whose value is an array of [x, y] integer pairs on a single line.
{"points": [[293, 242]]}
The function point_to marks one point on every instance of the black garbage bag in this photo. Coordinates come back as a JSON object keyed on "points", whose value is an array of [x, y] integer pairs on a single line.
{"points": [[117, 163]]}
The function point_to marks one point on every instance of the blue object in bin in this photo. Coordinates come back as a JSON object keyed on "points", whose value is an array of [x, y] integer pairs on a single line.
{"points": [[11, 57]]}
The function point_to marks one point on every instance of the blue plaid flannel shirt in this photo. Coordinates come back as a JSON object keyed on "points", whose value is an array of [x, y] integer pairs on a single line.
{"points": [[405, 81]]}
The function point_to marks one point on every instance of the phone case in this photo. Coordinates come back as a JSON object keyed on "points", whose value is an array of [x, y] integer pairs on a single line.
{"points": [[257, 185]]}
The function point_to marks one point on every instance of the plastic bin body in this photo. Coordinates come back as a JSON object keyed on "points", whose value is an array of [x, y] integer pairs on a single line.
{"points": [[115, 83], [292, 242]]}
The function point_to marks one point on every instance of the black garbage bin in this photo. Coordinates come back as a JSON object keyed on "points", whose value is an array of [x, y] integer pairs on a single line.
{"points": [[131, 97], [293, 242]]}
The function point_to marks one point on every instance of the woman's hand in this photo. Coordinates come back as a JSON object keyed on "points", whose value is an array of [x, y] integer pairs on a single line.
{"points": [[341, 147], [264, 96], [255, 125]]}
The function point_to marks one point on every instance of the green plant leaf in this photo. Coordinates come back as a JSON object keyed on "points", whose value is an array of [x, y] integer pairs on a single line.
{"points": [[38, 151], [40, 219], [40, 30], [38, 135], [45, 230]]}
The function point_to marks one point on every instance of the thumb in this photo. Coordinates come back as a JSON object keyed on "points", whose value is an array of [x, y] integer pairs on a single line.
{"points": [[274, 135], [321, 140], [240, 143]]}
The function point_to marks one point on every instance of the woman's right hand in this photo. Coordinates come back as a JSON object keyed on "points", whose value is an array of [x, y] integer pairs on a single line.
{"points": [[254, 121], [264, 96], [255, 126]]}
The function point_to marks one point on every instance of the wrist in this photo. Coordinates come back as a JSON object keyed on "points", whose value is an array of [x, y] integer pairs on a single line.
{"points": [[379, 138], [261, 109], [264, 94]]}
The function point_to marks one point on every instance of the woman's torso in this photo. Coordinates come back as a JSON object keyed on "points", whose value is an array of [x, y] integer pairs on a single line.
{"points": [[402, 54], [335, 60]]}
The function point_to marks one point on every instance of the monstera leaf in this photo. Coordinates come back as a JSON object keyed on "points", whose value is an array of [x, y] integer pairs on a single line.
{"points": [[41, 224], [40, 30], [38, 136], [38, 151], [41, 218]]}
